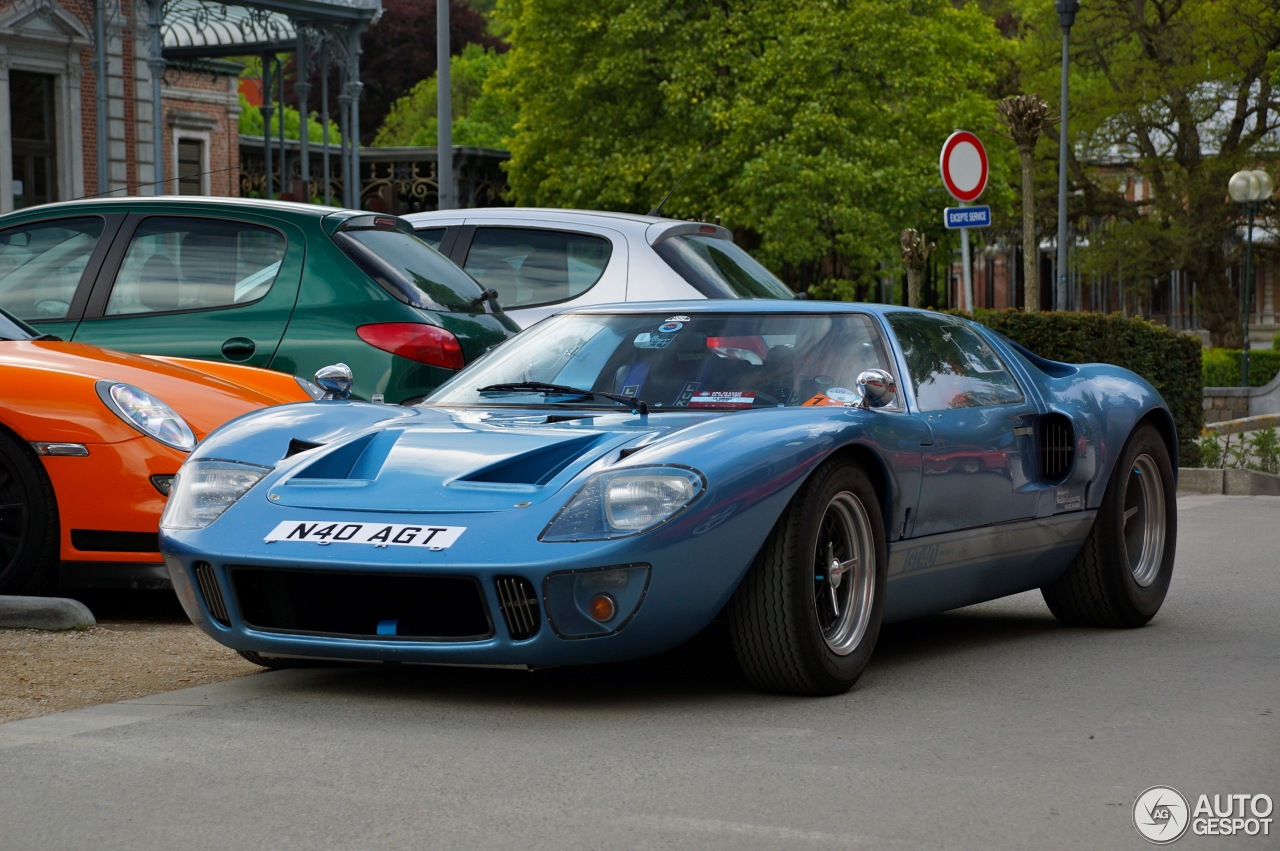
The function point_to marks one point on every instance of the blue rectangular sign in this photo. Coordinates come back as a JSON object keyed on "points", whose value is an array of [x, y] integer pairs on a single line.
{"points": [[967, 217]]}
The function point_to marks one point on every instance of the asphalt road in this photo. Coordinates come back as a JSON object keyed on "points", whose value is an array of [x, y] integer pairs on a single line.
{"points": [[989, 727]]}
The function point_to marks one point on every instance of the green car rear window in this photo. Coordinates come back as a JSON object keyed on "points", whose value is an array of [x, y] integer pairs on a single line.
{"points": [[404, 263]]}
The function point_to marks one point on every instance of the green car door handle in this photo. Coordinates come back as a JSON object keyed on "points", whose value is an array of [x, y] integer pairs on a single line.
{"points": [[238, 348]]}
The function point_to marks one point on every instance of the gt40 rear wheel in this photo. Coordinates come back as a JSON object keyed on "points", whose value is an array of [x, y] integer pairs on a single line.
{"points": [[1122, 574], [28, 522], [806, 617]]}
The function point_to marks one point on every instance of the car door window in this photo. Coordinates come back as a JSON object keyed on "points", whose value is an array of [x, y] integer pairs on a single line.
{"points": [[41, 265], [951, 365], [175, 264], [530, 267]]}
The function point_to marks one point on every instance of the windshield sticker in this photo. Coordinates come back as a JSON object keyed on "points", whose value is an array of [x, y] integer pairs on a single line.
{"points": [[377, 534], [842, 395], [723, 399], [822, 400], [670, 327], [690, 387], [678, 319], [645, 340]]}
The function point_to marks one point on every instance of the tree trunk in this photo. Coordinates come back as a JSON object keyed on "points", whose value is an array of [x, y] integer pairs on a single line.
{"points": [[1030, 253], [914, 296]]}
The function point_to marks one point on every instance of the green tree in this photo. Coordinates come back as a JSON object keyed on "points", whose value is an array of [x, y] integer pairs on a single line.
{"points": [[482, 118], [251, 124], [824, 119], [1182, 93]]}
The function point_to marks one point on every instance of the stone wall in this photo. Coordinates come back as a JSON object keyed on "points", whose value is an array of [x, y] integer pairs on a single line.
{"points": [[1225, 403], [1234, 403]]}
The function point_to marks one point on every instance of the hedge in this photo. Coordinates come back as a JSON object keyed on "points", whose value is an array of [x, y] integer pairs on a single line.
{"points": [[1170, 360], [1222, 367]]}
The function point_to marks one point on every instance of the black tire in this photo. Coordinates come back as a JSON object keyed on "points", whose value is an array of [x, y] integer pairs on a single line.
{"points": [[28, 522], [1122, 574], [794, 629]]}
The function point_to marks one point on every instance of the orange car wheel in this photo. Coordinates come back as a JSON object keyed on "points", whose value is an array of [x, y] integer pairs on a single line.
{"points": [[28, 522]]}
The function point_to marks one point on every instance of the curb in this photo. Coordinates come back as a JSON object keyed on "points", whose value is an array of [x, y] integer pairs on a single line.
{"points": [[1213, 480], [53, 613]]}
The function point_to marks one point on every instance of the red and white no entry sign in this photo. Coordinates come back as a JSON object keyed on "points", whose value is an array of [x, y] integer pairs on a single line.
{"points": [[963, 165]]}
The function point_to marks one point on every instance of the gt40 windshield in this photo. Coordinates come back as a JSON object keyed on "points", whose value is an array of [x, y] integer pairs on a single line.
{"points": [[676, 361]]}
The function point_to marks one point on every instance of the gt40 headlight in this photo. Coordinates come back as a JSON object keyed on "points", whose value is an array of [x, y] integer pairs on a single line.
{"points": [[147, 414], [203, 490], [625, 502]]}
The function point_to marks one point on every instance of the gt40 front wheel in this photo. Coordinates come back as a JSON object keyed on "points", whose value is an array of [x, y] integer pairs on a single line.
{"points": [[806, 617]]}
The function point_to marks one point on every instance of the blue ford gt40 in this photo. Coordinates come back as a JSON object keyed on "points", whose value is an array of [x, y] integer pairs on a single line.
{"points": [[607, 483]]}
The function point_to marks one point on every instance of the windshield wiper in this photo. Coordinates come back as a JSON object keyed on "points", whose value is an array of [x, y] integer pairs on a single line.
{"points": [[637, 405]]}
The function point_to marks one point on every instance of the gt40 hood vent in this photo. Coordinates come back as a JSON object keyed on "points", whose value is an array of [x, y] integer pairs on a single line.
{"points": [[463, 466]]}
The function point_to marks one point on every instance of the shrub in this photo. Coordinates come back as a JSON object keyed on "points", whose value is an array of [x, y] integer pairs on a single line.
{"points": [[1257, 450], [1222, 367]]}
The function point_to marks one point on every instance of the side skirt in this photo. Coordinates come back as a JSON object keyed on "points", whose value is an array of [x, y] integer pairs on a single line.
{"points": [[954, 569]]}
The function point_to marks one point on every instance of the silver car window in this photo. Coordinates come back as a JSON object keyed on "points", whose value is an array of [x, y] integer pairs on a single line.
{"points": [[530, 267], [717, 268]]}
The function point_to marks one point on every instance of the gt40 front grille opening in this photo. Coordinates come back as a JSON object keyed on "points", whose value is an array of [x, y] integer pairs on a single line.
{"points": [[362, 605], [1057, 447], [212, 594], [519, 604]]}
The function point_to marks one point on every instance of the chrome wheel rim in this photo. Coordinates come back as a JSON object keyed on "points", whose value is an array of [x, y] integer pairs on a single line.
{"points": [[1144, 520], [844, 571]]}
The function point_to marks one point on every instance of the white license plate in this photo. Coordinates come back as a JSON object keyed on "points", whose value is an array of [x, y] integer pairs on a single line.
{"points": [[377, 534]]}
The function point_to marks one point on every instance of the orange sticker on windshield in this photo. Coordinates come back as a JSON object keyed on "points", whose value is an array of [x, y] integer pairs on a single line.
{"points": [[822, 400]]}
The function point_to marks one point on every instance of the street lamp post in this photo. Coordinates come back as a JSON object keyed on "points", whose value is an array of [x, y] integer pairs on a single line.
{"points": [[1066, 17], [1248, 188]]}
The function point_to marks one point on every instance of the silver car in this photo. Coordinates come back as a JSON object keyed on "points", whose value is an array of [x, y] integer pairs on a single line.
{"points": [[541, 261]]}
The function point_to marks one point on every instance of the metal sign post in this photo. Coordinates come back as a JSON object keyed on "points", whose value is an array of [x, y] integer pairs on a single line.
{"points": [[963, 164]]}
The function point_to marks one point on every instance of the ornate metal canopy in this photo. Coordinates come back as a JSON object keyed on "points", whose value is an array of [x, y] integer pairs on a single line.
{"points": [[197, 29]]}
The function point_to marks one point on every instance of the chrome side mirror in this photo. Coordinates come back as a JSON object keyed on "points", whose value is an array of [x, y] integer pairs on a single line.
{"points": [[335, 380], [876, 389]]}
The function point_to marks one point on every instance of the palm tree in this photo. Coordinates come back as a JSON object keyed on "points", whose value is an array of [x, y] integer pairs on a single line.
{"points": [[915, 254], [1028, 117]]}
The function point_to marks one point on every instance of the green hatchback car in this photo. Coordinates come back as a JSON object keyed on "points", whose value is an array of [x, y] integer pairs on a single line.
{"points": [[286, 286]]}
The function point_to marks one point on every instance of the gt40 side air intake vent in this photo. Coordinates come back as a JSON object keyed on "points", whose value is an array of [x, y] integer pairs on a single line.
{"points": [[519, 604], [211, 593], [1057, 447]]}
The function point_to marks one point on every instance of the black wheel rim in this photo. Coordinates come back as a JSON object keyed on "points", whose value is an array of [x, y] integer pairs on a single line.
{"points": [[844, 571], [13, 517]]}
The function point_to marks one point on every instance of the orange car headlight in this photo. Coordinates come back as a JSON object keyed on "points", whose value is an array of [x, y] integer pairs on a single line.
{"points": [[147, 414]]}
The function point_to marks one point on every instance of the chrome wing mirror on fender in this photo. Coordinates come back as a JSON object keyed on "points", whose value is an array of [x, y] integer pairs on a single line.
{"points": [[335, 380], [876, 389]]}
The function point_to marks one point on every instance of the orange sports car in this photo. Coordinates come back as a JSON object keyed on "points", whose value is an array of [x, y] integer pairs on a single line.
{"points": [[89, 442]]}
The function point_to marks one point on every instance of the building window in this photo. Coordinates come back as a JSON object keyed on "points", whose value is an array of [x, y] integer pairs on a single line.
{"points": [[34, 143], [191, 167]]}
